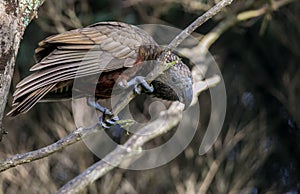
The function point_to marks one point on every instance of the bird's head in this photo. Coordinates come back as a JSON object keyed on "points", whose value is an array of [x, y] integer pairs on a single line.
{"points": [[175, 83]]}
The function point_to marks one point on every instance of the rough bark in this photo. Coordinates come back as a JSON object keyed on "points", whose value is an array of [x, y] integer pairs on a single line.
{"points": [[14, 17]]}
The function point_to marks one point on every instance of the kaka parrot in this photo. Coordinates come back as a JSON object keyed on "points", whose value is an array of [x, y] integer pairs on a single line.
{"points": [[81, 53]]}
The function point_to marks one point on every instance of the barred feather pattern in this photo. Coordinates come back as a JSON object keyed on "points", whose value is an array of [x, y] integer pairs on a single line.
{"points": [[101, 47]]}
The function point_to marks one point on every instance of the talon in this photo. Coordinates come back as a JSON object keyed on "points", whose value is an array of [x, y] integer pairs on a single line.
{"points": [[107, 122], [137, 90], [107, 119], [103, 124], [147, 87], [115, 118], [141, 80], [110, 122]]}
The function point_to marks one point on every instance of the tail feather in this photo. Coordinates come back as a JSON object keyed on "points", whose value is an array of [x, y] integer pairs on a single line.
{"points": [[29, 101]]}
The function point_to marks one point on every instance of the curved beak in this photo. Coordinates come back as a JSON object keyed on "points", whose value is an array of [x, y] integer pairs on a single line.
{"points": [[185, 94], [176, 83]]}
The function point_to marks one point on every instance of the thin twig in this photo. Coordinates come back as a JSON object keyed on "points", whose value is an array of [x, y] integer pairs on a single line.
{"points": [[169, 118], [217, 31], [213, 169], [198, 22], [28, 157]]}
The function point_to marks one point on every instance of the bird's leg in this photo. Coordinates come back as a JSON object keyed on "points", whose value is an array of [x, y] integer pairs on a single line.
{"points": [[107, 119], [140, 81]]}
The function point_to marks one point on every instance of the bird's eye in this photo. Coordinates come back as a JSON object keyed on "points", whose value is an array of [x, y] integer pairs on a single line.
{"points": [[173, 79]]}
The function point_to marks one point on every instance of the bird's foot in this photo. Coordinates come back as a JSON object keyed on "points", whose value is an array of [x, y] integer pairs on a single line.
{"points": [[107, 119], [140, 81]]}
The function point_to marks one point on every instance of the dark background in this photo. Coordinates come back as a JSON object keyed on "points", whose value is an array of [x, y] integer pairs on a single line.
{"points": [[259, 59]]}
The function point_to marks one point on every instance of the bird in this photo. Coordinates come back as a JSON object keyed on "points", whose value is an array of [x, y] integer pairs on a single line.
{"points": [[114, 51]]}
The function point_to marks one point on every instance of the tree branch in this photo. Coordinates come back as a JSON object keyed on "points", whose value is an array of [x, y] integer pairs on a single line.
{"points": [[217, 31], [78, 134], [168, 118], [28, 157], [198, 22], [131, 147]]}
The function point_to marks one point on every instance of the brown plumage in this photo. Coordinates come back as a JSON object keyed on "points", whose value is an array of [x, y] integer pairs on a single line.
{"points": [[106, 48]]}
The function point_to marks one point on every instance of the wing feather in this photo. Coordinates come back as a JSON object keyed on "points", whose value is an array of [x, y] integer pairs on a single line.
{"points": [[30, 100], [102, 47]]}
